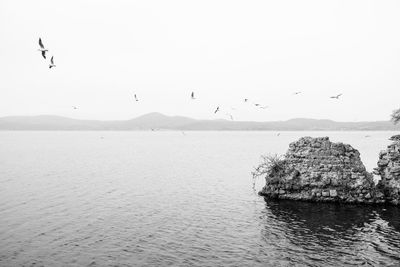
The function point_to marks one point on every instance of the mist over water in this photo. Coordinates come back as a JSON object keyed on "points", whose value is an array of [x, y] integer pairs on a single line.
{"points": [[165, 198]]}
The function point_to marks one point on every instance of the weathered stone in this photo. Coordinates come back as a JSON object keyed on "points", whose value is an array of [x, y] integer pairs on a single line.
{"points": [[325, 193], [395, 138], [383, 162], [333, 193], [389, 184], [316, 169], [395, 170]]}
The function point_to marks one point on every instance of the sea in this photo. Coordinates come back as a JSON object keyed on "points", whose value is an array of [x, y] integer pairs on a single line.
{"points": [[171, 198]]}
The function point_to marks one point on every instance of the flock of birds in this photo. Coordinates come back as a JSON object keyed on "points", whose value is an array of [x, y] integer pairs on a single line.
{"points": [[246, 100], [43, 51]]}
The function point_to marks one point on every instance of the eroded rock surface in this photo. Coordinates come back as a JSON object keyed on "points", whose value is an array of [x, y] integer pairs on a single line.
{"points": [[389, 170], [317, 169]]}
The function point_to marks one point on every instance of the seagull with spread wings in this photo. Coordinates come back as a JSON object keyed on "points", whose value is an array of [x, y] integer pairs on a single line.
{"points": [[51, 62], [336, 96], [192, 95], [216, 110], [136, 99], [42, 49]]}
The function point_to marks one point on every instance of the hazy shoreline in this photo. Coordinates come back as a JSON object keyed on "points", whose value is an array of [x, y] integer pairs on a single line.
{"points": [[158, 121]]}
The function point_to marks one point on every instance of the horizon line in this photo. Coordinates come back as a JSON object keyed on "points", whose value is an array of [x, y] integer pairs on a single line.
{"points": [[182, 116]]}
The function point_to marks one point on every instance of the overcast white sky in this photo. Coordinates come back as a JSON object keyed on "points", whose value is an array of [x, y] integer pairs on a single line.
{"points": [[225, 51]]}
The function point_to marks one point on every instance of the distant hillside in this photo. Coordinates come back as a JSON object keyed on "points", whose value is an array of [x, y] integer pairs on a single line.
{"points": [[163, 122]]}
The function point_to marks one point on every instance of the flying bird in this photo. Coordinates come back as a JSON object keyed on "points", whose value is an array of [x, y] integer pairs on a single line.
{"points": [[51, 63], [136, 98], [246, 99], [230, 115], [42, 49], [259, 105], [216, 110], [74, 107], [192, 95], [336, 97], [298, 92]]}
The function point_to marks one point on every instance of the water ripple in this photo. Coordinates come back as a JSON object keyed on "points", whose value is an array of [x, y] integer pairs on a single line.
{"points": [[140, 199]]}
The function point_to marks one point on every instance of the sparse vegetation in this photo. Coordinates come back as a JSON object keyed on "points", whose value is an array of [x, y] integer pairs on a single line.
{"points": [[270, 164], [396, 116]]}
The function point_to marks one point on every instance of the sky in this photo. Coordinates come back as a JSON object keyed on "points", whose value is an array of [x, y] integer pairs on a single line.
{"points": [[224, 51]]}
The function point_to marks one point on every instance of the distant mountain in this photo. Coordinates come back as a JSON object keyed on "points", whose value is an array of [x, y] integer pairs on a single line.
{"points": [[162, 122]]}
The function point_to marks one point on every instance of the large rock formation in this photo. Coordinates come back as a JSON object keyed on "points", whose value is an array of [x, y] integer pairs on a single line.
{"points": [[389, 170], [316, 169]]}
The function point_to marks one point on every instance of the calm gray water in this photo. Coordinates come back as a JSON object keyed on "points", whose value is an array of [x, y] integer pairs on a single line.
{"points": [[164, 198]]}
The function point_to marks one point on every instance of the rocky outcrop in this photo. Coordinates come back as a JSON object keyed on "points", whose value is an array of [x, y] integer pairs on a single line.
{"points": [[389, 170], [316, 169]]}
